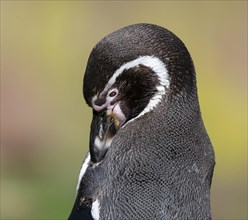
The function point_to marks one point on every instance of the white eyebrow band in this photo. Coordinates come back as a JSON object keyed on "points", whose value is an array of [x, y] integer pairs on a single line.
{"points": [[158, 67], [152, 62]]}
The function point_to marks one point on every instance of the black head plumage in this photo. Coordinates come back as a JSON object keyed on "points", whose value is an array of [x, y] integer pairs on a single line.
{"points": [[128, 44]]}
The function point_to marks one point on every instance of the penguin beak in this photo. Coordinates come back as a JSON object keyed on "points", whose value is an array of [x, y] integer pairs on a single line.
{"points": [[103, 130]]}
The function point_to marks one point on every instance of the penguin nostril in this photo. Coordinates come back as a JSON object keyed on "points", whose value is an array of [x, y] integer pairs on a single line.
{"points": [[99, 102]]}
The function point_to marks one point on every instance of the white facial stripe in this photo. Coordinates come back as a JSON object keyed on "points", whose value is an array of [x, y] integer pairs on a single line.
{"points": [[95, 210], [149, 61], [83, 169], [158, 68]]}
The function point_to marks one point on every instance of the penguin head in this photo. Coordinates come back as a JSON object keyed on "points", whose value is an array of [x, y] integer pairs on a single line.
{"points": [[128, 74]]}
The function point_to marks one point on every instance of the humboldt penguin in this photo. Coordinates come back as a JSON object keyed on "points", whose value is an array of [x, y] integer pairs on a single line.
{"points": [[150, 156]]}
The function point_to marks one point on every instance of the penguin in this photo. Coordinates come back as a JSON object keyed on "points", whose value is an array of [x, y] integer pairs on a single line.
{"points": [[150, 156]]}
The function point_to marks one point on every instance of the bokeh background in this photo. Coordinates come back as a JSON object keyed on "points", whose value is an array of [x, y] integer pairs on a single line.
{"points": [[45, 121]]}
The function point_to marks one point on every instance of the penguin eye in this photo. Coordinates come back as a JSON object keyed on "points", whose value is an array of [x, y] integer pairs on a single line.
{"points": [[113, 93]]}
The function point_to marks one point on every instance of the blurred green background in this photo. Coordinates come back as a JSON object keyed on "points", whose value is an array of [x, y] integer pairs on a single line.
{"points": [[45, 121]]}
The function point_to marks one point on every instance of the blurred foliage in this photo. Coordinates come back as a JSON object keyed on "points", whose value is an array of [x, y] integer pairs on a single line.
{"points": [[45, 121]]}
